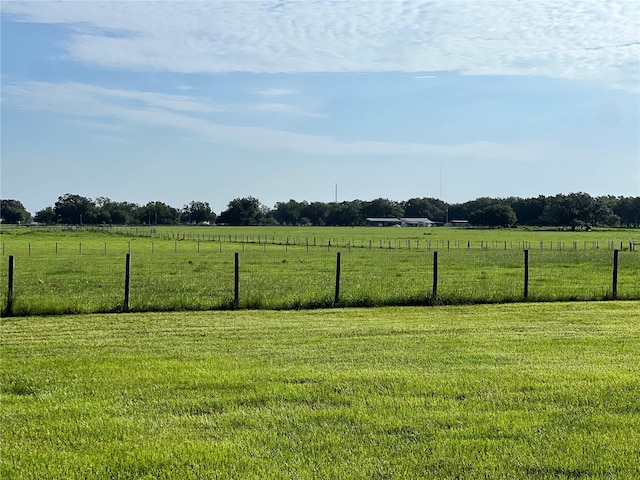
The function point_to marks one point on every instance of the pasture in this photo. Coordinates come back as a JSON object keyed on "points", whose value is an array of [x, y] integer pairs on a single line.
{"points": [[193, 268], [534, 390]]}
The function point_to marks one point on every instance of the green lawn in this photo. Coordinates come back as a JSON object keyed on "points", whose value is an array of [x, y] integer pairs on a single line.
{"points": [[489, 391]]}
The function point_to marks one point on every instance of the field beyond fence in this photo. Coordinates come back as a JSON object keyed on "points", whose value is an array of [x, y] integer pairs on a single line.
{"points": [[155, 271]]}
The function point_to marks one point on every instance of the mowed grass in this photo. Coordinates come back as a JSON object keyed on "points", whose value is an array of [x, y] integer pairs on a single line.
{"points": [[501, 391]]}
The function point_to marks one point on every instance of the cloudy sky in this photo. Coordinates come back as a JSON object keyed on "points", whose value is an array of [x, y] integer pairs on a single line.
{"points": [[178, 101]]}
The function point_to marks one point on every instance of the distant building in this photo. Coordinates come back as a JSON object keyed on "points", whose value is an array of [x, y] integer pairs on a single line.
{"points": [[383, 222], [399, 222], [457, 223], [417, 222]]}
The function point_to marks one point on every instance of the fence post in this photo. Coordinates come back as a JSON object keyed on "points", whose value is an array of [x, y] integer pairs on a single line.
{"points": [[434, 293], [614, 291], [9, 309], [526, 274], [127, 282], [337, 293], [236, 280]]}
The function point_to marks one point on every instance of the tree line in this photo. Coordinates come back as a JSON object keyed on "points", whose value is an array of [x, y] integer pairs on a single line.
{"points": [[574, 210]]}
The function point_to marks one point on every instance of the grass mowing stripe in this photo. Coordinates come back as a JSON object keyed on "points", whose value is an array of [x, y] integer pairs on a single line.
{"points": [[503, 391]]}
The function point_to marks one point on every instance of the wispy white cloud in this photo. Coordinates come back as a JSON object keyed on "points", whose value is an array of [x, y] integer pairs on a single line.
{"points": [[109, 138], [80, 98], [596, 41], [284, 108], [150, 109], [83, 122], [276, 92]]}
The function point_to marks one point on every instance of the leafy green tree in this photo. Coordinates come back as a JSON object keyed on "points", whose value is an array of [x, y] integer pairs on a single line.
{"points": [[315, 213], [628, 209], [242, 211], [461, 211], [576, 210], [75, 209], [115, 213], [345, 214], [289, 213], [197, 212], [158, 213], [382, 207], [103, 209], [496, 215], [601, 213], [430, 208], [528, 210], [47, 216], [123, 213], [12, 211]]}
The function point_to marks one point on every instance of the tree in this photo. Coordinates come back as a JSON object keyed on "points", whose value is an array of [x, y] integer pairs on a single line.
{"points": [[242, 211], [576, 210], [75, 209], [157, 213], [123, 213], [496, 215], [197, 212], [601, 213], [528, 210], [430, 208], [462, 211], [47, 216], [628, 209], [289, 213], [382, 207], [345, 213], [315, 213], [12, 211]]}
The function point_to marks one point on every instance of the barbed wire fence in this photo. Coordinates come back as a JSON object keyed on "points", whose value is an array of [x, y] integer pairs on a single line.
{"points": [[208, 274]]}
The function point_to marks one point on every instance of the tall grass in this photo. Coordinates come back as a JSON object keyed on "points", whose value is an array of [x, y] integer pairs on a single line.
{"points": [[172, 275]]}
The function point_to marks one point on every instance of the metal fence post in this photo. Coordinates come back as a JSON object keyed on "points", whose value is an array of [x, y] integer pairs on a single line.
{"points": [[614, 291], [434, 293], [526, 274], [127, 282], [9, 309], [236, 280], [337, 292]]}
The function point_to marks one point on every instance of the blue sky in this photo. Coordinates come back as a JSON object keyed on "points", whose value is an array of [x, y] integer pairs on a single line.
{"points": [[178, 101]]}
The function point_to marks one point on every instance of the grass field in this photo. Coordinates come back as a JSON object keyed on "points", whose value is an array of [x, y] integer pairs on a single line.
{"points": [[485, 391], [16, 240], [66, 271]]}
